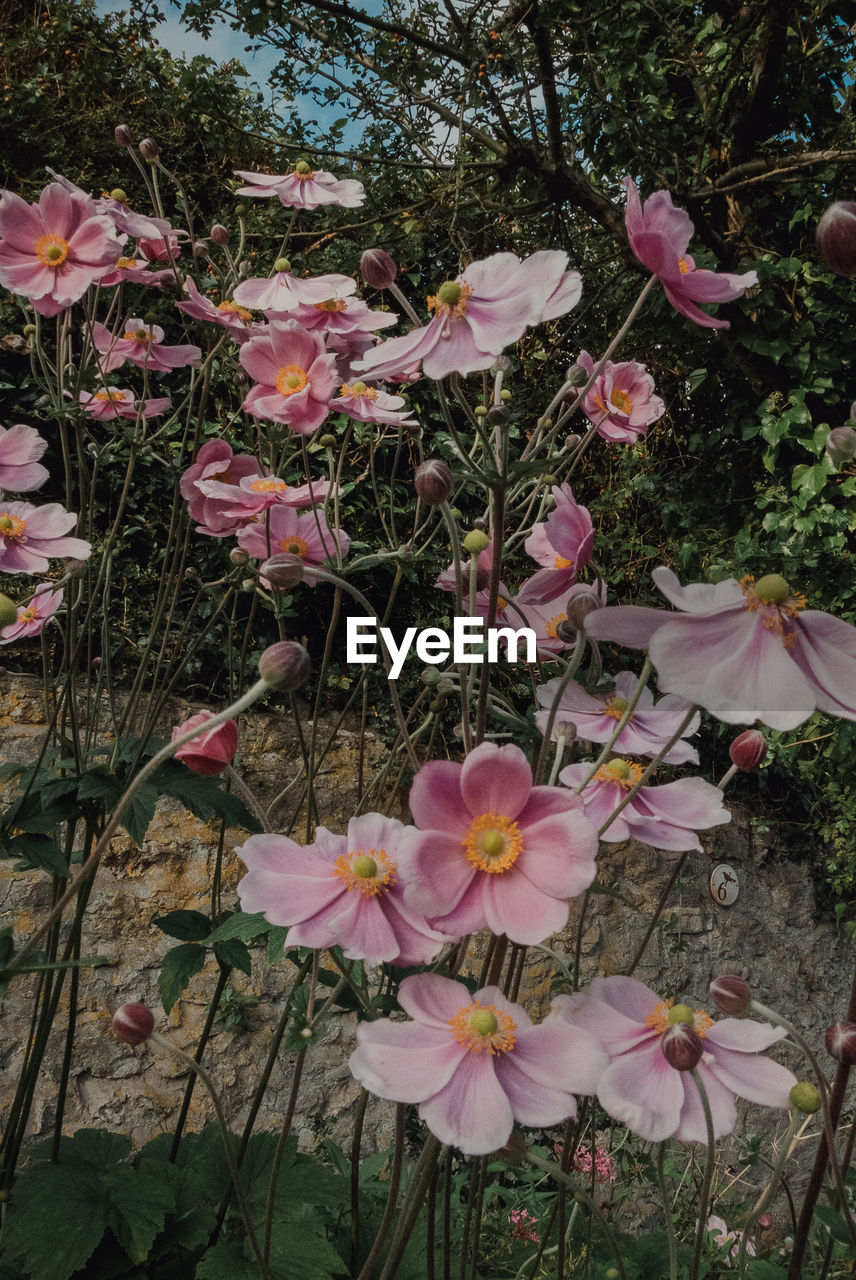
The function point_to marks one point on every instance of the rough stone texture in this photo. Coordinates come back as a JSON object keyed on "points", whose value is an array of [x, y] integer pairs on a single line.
{"points": [[770, 935]]}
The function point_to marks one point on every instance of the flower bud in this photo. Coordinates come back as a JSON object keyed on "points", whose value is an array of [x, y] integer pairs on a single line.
{"points": [[835, 237], [149, 150], [840, 1040], [8, 611], [765, 1221], [282, 264], [430, 676], [29, 330], [731, 995], [501, 364], [805, 1097], [240, 210], [377, 268], [748, 750], [283, 570], [248, 584], [327, 441], [219, 234], [498, 415], [285, 665], [432, 481], [681, 1046], [576, 375], [124, 136], [241, 378], [212, 749], [480, 411], [841, 444], [239, 556], [133, 1023], [476, 542], [579, 607], [505, 395], [200, 249], [118, 194], [572, 441], [853, 411]]}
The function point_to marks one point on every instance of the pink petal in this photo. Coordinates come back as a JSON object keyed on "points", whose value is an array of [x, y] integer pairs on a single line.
{"points": [[755, 1078], [403, 1061], [431, 999], [516, 907], [436, 801], [693, 1126], [558, 854], [555, 1051], [642, 1091], [629, 624], [496, 780], [627, 995], [440, 873], [825, 653], [471, 1112]]}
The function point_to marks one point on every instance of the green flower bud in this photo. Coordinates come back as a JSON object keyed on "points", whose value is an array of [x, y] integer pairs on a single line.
{"points": [[8, 611], [282, 264], [475, 542], [805, 1097]]}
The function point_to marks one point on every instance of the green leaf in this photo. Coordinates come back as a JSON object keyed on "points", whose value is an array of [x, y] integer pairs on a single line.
{"points": [[178, 967], [234, 953], [204, 797], [226, 1261], [297, 1253], [834, 1223], [140, 812], [189, 926], [276, 942], [35, 851], [239, 925]]}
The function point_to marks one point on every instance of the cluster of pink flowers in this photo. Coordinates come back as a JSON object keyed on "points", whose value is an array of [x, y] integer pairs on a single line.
{"points": [[523, 1225], [600, 1163]]}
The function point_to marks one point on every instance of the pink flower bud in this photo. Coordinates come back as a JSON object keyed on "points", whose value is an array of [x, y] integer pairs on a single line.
{"points": [[731, 995], [149, 150], [219, 234], [377, 268], [133, 1023], [765, 1221], [579, 607], [239, 556], [748, 750], [282, 570], [433, 482], [841, 444], [840, 1041], [210, 752], [124, 136], [681, 1046], [285, 665], [835, 237]]}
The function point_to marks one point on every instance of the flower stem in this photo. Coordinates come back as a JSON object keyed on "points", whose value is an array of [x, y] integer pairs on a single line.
{"points": [[667, 1210], [704, 1198]]}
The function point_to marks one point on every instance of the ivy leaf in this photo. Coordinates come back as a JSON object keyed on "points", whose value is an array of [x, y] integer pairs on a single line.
{"points": [[178, 967]]}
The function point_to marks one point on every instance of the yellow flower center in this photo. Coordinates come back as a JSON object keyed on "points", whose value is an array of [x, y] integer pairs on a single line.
{"points": [[357, 389], [684, 267], [290, 380], [294, 546], [303, 171], [28, 614], [492, 843], [12, 526], [450, 299], [112, 397], [270, 485], [662, 1016], [482, 1028], [616, 708], [371, 872], [771, 597], [552, 627], [51, 250], [139, 335], [624, 772], [232, 309], [127, 264], [332, 304], [561, 562], [622, 401]]}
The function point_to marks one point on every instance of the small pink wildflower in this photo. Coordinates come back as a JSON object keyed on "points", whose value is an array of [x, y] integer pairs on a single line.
{"points": [[52, 251], [621, 401], [34, 616], [723, 1238], [30, 536], [523, 1225], [296, 376], [303, 188], [474, 1063], [20, 449], [659, 234], [603, 1170], [368, 404]]}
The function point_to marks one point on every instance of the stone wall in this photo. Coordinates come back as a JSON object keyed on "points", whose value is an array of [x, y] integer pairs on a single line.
{"points": [[770, 934]]}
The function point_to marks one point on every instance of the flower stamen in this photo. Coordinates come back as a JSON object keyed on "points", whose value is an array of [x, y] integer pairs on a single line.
{"points": [[291, 379], [659, 1020], [370, 871], [493, 843], [51, 250], [12, 526], [482, 1028], [772, 598], [624, 772], [232, 309], [450, 299], [294, 546]]}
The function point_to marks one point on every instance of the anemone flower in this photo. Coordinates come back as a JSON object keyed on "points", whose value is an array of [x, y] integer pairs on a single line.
{"points": [[295, 376], [659, 234], [341, 891], [20, 450], [34, 616], [119, 402], [143, 345], [475, 1064], [30, 536], [492, 849], [640, 1087], [305, 535], [621, 401], [254, 494], [303, 188], [744, 650], [562, 544], [230, 315], [215, 461], [212, 749], [369, 404]]}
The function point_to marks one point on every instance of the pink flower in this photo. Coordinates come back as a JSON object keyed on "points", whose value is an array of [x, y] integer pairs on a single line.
{"points": [[137, 271], [286, 292], [621, 400], [474, 1063], [51, 252], [164, 247], [143, 345], [237, 319], [659, 234], [20, 449], [33, 617], [485, 309], [603, 1170], [744, 651], [209, 752], [494, 850], [29, 536], [446, 579], [116, 402], [368, 404], [643, 1091], [665, 817], [523, 1226], [723, 1238], [544, 619], [303, 188], [215, 461], [296, 376], [563, 545], [595, 717], [341, 891], [342, 315], [306, 536], [240, 502]]}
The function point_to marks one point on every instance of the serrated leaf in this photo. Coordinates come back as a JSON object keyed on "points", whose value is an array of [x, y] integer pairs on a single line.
{"points": [[276, 943], [178, 967], [226, 1261], [140, 812], [239, 925], [188, 926], [204, 797], [233, 952], [297, 1253], [35, 851]]}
